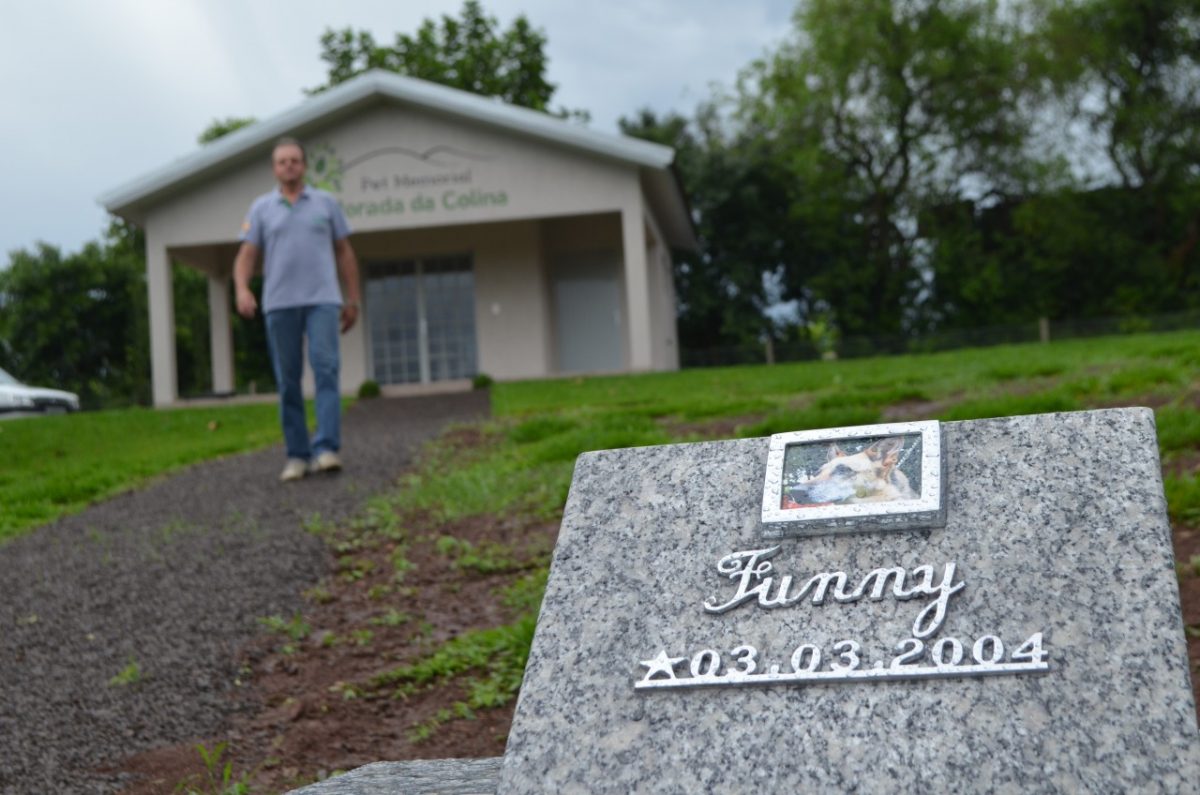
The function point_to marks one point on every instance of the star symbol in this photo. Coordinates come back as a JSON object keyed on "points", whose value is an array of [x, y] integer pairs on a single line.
{"points": [[662, 664]]}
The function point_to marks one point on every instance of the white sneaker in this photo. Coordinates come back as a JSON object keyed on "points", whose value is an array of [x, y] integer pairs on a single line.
{"points": [[294, 469], [327, 461]]}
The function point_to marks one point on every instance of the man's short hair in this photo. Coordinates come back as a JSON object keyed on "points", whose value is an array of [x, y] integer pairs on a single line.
{"points": [[289, 141]]}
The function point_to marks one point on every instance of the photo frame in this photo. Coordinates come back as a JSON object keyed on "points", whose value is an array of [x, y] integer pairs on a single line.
{"points": [[869, 477]]}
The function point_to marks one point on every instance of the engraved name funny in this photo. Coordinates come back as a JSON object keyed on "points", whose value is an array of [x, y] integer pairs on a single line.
{"points": [[753, 572]]}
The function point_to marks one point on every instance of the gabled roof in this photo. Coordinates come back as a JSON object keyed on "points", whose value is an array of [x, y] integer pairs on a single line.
{"points": [[654, 160]]}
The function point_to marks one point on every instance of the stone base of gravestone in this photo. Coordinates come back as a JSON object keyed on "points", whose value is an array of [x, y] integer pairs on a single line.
{"points": [[422, 777], [1056, 525]]}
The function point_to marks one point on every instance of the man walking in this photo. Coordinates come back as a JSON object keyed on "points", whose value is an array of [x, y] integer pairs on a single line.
{"points": [[303, 237]]}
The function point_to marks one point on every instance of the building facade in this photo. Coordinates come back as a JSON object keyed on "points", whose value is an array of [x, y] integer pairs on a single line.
{"points": [[492, 239]]}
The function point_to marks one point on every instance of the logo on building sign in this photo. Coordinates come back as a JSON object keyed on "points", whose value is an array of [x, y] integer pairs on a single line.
{"points": [[438, 179], [325, 168]]}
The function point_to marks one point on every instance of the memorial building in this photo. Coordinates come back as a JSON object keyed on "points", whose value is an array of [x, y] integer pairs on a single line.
{"points": [[491, 238]]}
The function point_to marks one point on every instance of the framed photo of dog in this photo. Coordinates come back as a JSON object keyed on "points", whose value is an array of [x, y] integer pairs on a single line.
{"points": [[870, 477]]}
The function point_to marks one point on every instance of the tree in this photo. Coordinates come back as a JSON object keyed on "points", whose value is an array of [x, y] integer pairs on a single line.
{"points": [[717, 305], [78, 321], [877, 109], [193, 345], [219, 128], [471, 53], [740, 206], [1129, 69]]}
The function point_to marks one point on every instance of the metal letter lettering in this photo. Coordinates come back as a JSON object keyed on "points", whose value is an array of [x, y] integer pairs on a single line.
{"points": [[755, 577]]}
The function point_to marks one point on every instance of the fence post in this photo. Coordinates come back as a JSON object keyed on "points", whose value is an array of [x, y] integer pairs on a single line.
{"points": [[1044, 329], [770, 350]]}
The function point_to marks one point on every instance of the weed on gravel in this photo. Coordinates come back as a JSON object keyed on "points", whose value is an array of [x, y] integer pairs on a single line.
{"points": [[217, 779]]}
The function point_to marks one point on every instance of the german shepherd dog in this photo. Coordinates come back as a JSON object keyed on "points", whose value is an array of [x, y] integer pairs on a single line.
{"points": [[870, 475]]}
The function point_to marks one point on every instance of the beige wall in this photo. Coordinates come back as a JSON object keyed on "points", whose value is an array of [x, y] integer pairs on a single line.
{"points": [[497, 175], [563, 237], [508, 176]]}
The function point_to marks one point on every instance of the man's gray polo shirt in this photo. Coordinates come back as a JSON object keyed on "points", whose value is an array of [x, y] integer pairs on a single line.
{"points": [[297, 245]]}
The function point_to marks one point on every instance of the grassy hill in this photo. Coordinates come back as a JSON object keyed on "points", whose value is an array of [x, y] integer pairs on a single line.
{"points": [[541, 426], [57, 465]]}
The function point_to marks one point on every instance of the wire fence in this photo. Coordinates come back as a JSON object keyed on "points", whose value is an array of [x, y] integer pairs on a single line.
{"points": [[1041, 330]]}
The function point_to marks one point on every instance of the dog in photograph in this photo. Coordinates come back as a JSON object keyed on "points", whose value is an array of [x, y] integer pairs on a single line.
{"points": [[870, 475]]}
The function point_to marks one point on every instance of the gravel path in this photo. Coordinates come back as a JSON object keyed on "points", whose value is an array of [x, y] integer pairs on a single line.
{"points": [[172, 577]]}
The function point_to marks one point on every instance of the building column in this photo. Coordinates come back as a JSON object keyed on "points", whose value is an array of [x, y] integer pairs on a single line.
{"points": [[220, 334], [666, 351], [671, 307], [637, 287], [163, 375]]}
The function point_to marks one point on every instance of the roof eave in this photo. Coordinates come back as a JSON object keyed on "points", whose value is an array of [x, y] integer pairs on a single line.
{"points": [[665, 194]]}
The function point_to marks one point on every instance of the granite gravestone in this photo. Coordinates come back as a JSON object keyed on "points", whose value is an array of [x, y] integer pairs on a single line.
{"points": [[1024, 636], [1033, 642]]}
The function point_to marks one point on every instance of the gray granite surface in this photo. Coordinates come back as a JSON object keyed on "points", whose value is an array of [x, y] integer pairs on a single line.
{"points": [[422, 777], [1056, 523]]}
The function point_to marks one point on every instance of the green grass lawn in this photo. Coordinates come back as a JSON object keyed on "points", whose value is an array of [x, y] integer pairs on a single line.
{"points": [[541, 426], [1073, 370], [57, 465]]}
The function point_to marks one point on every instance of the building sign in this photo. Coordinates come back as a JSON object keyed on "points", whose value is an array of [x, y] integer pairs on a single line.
{"points": [[398, 180]]}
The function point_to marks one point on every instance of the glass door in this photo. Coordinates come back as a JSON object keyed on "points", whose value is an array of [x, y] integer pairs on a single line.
{"points": [[421, 319]]}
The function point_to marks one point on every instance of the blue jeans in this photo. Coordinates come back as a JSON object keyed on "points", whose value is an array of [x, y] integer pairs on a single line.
{"points": [[285, 333]]}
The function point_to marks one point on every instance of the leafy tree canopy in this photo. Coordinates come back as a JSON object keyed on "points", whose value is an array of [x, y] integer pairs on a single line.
{"points": [[50, 298], [876, 109], [739, 198], [1129, 69], [222, 127], [471, 52]]}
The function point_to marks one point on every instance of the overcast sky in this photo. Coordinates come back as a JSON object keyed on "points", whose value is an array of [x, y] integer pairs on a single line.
{"points": [[98, 92]]}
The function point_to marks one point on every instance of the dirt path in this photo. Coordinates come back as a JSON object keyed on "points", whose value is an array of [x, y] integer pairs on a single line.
{"points": [[165, 584]]}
